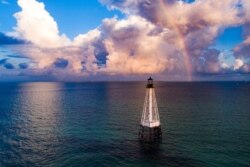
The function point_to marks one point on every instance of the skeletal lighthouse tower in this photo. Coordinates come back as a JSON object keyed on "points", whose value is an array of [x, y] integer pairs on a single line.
{"points": [[150, 129]]}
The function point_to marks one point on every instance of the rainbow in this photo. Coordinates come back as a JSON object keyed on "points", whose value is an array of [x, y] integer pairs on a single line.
{"points": [[180, 38]]}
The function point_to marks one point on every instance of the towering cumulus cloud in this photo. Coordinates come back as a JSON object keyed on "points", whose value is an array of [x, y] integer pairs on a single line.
{"points": [[46, 45], [164, 37], [36, 25]]}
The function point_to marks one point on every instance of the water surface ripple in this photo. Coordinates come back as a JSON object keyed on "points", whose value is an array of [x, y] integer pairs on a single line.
{"points": [[96, 124]]}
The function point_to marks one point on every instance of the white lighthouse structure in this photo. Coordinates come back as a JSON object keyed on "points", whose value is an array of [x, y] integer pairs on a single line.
{"points": [[150, 128]]}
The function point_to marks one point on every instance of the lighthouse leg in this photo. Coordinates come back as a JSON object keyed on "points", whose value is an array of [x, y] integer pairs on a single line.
{"points": [[150, 135]]}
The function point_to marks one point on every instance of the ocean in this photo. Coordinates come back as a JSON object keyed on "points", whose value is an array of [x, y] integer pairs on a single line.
{"points": [[204, 124]]}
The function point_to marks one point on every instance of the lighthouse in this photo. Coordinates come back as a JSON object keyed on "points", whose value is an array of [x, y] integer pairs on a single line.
{"points": [[150, 127]]}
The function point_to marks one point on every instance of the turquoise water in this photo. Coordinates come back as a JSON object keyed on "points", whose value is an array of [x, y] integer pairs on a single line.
{"points": [[96, 124]]}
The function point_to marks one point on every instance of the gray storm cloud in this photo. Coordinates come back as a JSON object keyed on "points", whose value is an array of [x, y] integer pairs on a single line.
{"points": [[164, 37]]}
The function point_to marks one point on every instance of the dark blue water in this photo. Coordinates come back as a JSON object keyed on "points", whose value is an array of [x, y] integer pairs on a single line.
{"points": [[96, 124]]}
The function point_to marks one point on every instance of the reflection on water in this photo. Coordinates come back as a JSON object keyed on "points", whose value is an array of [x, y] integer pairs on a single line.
{"points": [[33, 123], [43, 115], [96, 124]]}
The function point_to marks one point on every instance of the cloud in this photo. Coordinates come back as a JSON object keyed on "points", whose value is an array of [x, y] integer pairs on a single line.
{"points": [[8, 40], [163, 37], [47, 48], [238, 64], [136, 46], [9, 66], [3, 61], [23, 66], [208, 62], [61, 63], [17, 56], [191, 29], [242, 51], [36, 25]]}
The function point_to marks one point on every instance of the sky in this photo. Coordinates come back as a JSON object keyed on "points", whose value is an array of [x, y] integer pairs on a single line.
{"points": [[171, 40]]}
